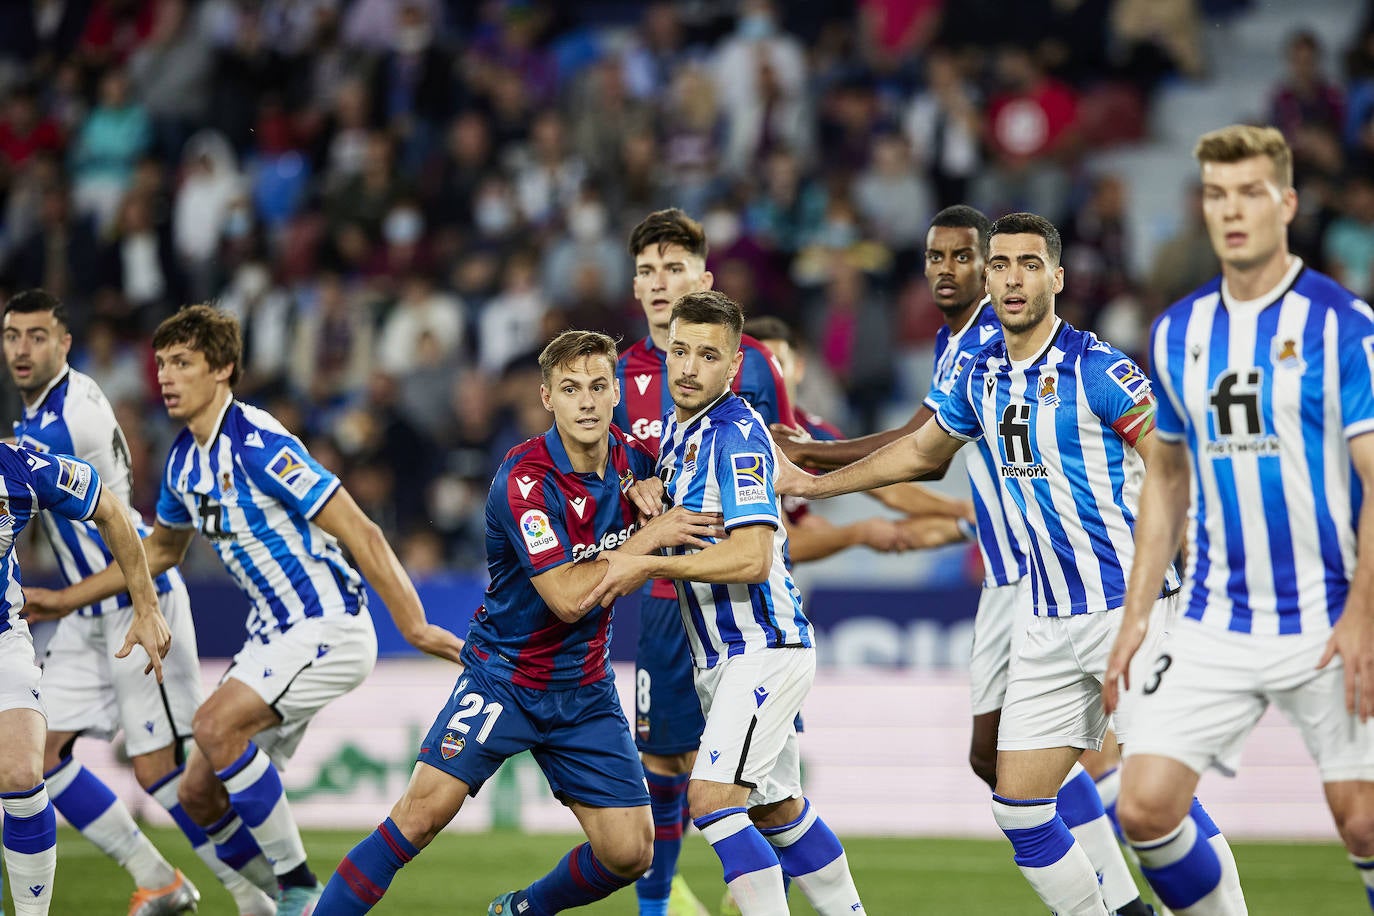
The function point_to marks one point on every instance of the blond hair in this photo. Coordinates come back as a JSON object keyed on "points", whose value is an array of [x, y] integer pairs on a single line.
{"points": [[1245, 141]]}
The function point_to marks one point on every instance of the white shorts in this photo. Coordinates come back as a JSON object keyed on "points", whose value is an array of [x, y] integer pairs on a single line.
{"points": [[751, 703], [998, 627], [89, 691], [1054, 690], [301, 670], [1216, 685], [19, 671]]}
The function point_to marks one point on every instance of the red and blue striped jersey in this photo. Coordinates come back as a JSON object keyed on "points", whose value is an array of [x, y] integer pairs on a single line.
{"points": [[542, 514]]}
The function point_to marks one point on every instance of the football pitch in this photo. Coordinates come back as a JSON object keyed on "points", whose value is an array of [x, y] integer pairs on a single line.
{"points": [[460, 873]]}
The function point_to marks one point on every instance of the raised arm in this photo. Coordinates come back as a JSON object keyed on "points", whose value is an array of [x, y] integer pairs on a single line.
{"points": [[148, 629], [377, 562], [905, 459]]}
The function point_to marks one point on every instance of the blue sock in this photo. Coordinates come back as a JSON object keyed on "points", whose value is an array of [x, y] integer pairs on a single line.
{"points": [[1365, 867], [30, 840], [577, 880], [667, 797], [1182, 867], [83, 799], [366, 872], [256, 793], [1109, 790], [192, 831], [1078, 802], [234, 843], [805, 845]]}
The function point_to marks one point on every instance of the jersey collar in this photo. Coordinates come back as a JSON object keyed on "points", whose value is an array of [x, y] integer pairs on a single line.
{"points": [[31, 412], [554, 443], [219, 426], [1019, 364], [974, 318], [1268, 298], [700, 414]]}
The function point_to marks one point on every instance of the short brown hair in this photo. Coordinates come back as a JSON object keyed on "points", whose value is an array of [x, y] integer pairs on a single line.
{"points": [[1245, 141], [770, 327], [669, 227], [574, 345], [1029, 224], [204, 328], [710, 306]]}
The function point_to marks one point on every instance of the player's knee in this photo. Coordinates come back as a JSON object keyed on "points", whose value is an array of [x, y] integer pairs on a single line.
{"points": [[418, 823], [21, 773], [1357, 831], [214, 733], [984, 766], [1143, 818], [631, 853]]}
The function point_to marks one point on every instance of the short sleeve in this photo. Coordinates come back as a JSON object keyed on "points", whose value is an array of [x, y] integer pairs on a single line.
{"points": [[171, 511], [744, 469], [956, 414], [1356, 336], [1118, 392], [64, 484], [282, 468], [532, 519]]}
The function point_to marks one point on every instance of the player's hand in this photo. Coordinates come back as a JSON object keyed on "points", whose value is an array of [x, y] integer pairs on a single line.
{"points": [[152, 633], [923, 532], [647, 496], [681, 527], [1118, 678], [883, 535], [435, 640], [791, 441], [791, 480], [624, 575], [1352, 638], [43, 604]]}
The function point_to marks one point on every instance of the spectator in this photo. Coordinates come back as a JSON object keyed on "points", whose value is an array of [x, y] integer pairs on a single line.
{"points": [[211, 189], [62, 255], [468, 160], [267, 315], [891, 199], [1185, 260], [547, 175], [138, 263], [1305, 97], [170, 73], [1096, 254], [112, 138], [332, 350], [693, 140], [115, 365], [25, 130], [420, 310], [587, 241], [366, 198], [510, 323], [944, 124], [413, 85], [760, 75], [1349, 241], [657, 54]]}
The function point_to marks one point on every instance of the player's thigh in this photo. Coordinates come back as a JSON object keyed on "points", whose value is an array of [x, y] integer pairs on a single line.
{"points": [[668, 716], [485, 721], [586, 751], [1053, 698], [752, 702], [156, 715], [1314, 701], [77, 684], [22, 720], [1200, 699], [995, 622]]}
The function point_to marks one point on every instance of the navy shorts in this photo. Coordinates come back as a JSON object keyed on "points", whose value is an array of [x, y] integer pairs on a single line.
{"points": [[668, 717], [578, 736]]}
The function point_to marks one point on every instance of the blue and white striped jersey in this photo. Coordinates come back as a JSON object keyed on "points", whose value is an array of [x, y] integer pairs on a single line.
{"points": [[252, 490], [1062, 427], [721, 460], [1001, 539], [73, 417], [31, 482], [1266, 394]]}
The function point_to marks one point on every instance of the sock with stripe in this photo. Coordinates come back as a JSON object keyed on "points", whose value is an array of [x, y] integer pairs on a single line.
{"points": [[578, 879], [1365, 866], [1230, 874], [366, 871], [811, 855], [1056, 866], [1185, 871], [90, 807], [1081, 809], [752, 870], [667, 798], [1109, 790], [256, 793], [232, 863], [30, 839]]}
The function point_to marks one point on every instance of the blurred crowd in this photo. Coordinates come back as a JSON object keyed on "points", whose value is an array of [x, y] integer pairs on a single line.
{"points": [[402, 199]]}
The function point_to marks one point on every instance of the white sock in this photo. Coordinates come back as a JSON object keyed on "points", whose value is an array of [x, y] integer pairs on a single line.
{"points": [[255, 791], [30, 838], [812, 856], [258, 870], [89, 806], [1173, 849], [752, 872], [1079, 799], [1054, 864], [249, 897]]}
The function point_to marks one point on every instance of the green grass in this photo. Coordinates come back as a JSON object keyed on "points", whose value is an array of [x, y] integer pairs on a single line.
{"points": [[460, 873]]}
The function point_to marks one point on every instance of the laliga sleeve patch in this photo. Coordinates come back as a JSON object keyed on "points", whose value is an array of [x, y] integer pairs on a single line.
{"points": [[73, 477], [1130, 379], [537, 532], [290, 469], [750, 486]]}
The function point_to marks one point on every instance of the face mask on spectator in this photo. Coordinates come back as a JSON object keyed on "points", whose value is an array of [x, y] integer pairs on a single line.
{"points": [[412, 39], [253, 280], [755, 26], [403, 227], [237, 224], [493, 215]]}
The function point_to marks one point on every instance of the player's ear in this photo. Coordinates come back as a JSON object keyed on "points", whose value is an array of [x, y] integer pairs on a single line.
{"points": [[1288, 202], [735, 364], [707, 279], [616, 384], [1058, 285], [544, 397]]}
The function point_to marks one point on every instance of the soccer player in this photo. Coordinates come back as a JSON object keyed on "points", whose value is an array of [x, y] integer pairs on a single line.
{"points": [[1264, 413], [1068, 419], [537, 674], [750, 641], [955, 271], [31, 482], [669, 250], [276, 518], [88, 691]]}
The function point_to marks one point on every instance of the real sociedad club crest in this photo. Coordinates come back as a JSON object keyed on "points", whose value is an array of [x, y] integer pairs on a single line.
{"points": [[1286, 354], [1049, 397], [451, 746], [689, 461]]}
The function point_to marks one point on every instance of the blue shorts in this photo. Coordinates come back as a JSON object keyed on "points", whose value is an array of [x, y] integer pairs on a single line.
{"points": [[578, 736], [668, 717]]}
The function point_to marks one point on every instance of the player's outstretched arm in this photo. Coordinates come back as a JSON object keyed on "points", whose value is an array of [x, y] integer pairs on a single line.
{"points": [[163, 548], [1158, 529], [377, 562], [905, 459], [1352, 638], [148, 629], [835, 453], [745, 557], [915, 500]]}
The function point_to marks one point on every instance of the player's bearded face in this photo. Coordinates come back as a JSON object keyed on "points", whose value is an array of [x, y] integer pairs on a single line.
{"points": [[582, 396], [1020, 281], [662, 277], [36, 346], [1246, 211], [703, 360]]}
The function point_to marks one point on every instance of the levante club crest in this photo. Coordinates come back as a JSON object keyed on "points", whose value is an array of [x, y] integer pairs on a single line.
{"points": [[451, 746]]}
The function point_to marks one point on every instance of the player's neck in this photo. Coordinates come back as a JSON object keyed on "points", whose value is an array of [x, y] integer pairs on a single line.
{"points": [[587, 459], [957, 321], [1246, 284], [35, 396], [1028, 343], [660, 337], [203, 424]]}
